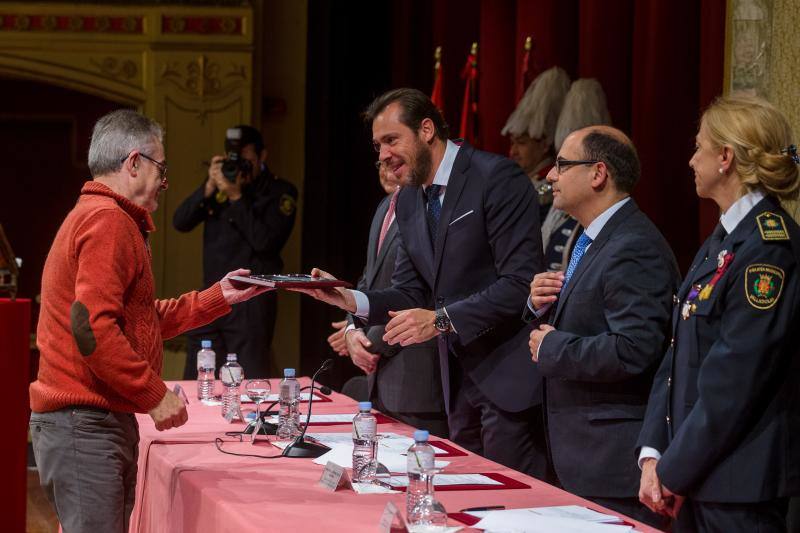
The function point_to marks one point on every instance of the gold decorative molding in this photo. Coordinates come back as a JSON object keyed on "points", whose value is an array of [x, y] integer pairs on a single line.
{"points": [[203, 77], [116, 68]]}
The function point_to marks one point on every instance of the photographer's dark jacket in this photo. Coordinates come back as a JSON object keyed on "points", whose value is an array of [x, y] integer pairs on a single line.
{"points": [[248, 233]]}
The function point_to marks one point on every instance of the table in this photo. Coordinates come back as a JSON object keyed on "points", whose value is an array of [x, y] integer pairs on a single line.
{"points": [[186, 484]]}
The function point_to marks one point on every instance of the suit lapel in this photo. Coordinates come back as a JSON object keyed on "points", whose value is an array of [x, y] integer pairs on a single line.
{"points": [[455, 185], [594, 250]]}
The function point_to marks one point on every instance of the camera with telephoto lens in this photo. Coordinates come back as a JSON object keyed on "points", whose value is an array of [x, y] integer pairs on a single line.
{"points": [[234, 164]]}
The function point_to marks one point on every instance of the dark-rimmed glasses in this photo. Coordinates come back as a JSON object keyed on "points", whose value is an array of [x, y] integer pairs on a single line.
{"points": [[162, 167], [563, 164]]}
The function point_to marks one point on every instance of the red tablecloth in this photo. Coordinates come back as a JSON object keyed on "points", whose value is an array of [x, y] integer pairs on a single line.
{"points": [[185, 484]]}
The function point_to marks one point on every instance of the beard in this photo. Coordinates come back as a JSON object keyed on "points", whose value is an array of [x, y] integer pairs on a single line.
{"points": [[421, 164]]}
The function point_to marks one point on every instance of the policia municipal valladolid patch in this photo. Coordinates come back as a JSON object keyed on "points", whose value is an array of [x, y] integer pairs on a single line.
{"points": [[763, 284]]}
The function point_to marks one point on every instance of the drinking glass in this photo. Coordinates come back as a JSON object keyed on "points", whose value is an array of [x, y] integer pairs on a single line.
{"points": [[258, 391]]}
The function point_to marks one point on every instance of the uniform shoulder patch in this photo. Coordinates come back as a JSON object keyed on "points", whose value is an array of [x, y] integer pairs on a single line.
{"points": [[772, 227], [763, 285], [287, 204]]}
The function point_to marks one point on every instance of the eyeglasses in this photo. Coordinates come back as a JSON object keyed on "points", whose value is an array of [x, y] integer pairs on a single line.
{"points": [[562, 165], [162, 167]]}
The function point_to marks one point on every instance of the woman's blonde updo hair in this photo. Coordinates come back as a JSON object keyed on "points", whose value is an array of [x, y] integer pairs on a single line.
{"points": [[756, 132]]}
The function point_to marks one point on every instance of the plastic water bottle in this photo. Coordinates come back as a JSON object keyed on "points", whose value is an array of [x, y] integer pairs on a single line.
{"points": [[420, 458], [206, 365], [365, 457], [231, 374], [288, 413]]}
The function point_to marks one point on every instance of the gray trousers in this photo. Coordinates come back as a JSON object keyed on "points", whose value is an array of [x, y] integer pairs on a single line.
{"points": [[87, 461]]}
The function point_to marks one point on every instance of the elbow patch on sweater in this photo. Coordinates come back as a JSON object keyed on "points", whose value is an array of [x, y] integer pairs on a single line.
{"points": [[81, 330]]}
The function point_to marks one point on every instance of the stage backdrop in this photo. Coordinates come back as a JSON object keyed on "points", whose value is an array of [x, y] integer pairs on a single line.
{"points": [[659, 61]]}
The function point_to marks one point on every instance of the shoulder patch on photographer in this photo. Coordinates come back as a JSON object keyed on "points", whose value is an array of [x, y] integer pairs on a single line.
{"points": [[772, 227], [763, 284], [287, 204]]}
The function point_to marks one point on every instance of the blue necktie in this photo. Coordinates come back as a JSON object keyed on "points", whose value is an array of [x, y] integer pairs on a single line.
{"points": [[580, 248], [434, 209]]}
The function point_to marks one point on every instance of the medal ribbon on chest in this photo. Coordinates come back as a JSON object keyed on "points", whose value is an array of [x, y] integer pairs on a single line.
{"points": [[724, 259]]}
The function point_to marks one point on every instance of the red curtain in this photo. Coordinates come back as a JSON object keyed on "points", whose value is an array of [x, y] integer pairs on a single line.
{"points": [[660, 63]]}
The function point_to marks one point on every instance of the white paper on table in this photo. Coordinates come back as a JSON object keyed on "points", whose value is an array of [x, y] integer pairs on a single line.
{"points": [[342, 455], [348, 418], [448, 479], [388, 441], [577, 512], [527, 521], [433, 529], [372, 488], [275, 397]]}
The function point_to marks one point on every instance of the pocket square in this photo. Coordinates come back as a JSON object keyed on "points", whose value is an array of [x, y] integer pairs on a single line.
{"points": [[462, 216]]}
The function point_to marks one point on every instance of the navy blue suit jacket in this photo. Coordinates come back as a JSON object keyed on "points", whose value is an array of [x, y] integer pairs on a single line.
{"points": [[725, 406], [488, 248], [611, 321]]}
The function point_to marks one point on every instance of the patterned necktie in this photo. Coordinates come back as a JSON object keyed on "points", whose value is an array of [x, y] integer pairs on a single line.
{"points": [[387, 220], [580, 248], [434, 209]]}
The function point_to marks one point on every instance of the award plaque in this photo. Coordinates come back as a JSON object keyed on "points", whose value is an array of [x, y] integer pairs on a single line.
{"points": [[291, 281]]}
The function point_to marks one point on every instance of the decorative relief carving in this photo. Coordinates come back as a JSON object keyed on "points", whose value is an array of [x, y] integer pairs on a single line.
{"points": [[750, 46], [71, 23], [116, 68], [201, 25], [204, 78]]}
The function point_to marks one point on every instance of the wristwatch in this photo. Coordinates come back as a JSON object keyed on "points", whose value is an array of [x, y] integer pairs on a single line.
{"points": [[442, 321]]}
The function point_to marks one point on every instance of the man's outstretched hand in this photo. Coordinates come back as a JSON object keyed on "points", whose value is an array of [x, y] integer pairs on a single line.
{"points": [[338, 296]]}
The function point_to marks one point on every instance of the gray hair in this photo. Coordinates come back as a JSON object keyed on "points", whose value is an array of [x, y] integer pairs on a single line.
{"points": [[585, 105], [537, 112], [116, 135]]}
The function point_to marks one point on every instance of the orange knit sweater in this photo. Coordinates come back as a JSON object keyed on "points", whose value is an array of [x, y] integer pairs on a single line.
{"points": [[100, 330]]}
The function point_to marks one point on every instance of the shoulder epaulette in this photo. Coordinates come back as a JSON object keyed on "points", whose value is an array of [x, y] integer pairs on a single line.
{"points": [[772, 227]]}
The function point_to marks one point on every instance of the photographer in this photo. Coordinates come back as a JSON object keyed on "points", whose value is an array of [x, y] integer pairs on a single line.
{"points": [[248, 213]]}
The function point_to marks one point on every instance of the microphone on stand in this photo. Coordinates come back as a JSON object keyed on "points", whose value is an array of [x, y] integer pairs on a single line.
{"points": [[299, 446]]}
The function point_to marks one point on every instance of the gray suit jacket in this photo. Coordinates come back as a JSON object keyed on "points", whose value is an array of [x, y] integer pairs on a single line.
{"points": [[407, 380], [611, 322]]}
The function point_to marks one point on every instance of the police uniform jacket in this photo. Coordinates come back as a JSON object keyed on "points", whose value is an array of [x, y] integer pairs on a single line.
{"points": [[724, 411], [248, 233]]}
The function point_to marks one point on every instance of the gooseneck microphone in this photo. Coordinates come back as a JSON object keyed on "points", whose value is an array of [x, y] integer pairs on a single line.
{"points": [[299, 446]]}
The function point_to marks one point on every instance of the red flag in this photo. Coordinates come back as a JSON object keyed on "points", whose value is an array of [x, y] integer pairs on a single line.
{"points": [[469, 109], [437, 96], [524, 74]]}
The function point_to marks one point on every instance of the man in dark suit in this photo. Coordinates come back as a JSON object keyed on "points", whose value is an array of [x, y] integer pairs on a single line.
{"points": [[470, 243], [403, 382], [608, 317]]}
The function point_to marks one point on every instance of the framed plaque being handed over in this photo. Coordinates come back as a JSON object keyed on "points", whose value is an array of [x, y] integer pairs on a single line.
{"points": [[291, 281]]}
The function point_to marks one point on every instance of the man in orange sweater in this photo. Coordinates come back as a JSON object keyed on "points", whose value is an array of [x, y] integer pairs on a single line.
{"points": [[100, 331]]}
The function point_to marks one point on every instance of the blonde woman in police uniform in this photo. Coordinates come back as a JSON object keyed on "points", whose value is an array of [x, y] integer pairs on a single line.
{"points": [[720, 446]]}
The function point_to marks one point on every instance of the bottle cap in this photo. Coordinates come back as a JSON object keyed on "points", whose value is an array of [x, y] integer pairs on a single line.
{"points": [[364, 406], [205, 344], [421, 435], [288, 372], [231, 357]]}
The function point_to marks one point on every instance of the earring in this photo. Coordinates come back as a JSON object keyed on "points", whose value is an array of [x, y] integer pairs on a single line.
{"points": [[721, 170]]}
